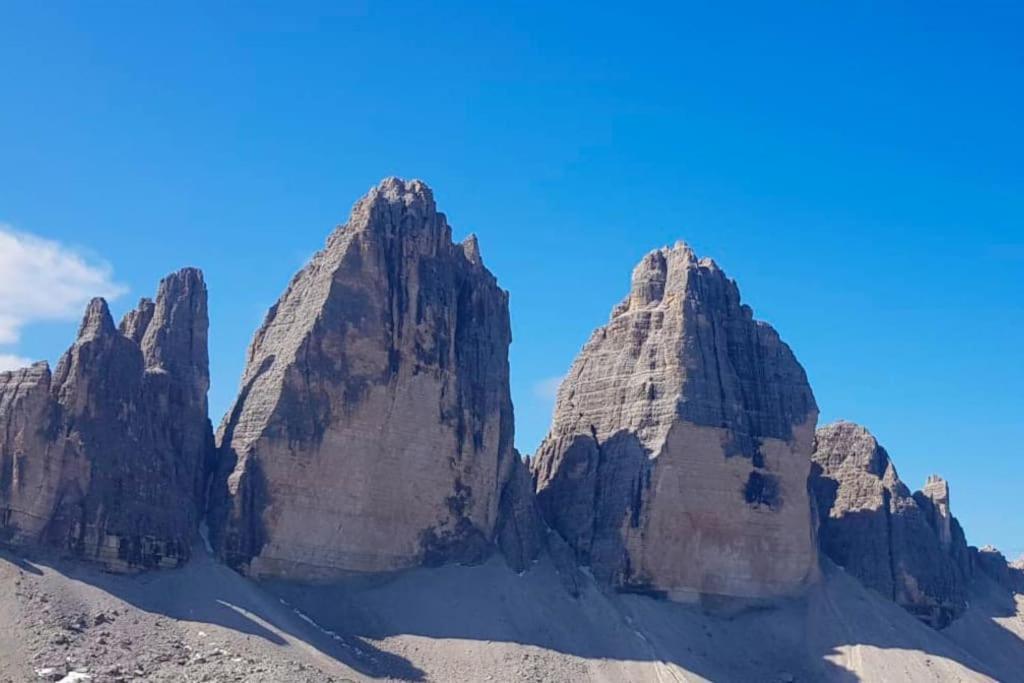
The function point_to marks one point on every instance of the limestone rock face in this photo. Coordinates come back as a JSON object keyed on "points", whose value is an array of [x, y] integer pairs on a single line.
{"points": [[374, 426], [106, 458], [678, 456], [906, 546]]}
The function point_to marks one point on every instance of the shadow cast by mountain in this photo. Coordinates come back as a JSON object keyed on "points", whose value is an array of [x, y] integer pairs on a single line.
{"points": [[832, 633], [819, 637], [207, 592]]}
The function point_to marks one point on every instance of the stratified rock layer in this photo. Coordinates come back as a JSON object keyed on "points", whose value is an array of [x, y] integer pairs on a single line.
{"points": [[678, 458], [106, 458], [374, 427], [906, 546]]}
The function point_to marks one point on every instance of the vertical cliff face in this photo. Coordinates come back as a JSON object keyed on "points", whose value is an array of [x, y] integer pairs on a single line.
{"points": [[105, 459], [678, 456], [374, 429], [906, 546]]}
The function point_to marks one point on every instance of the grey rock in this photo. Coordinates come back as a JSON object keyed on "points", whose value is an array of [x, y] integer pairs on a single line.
{"points": [[521, 531], [992, 563], [105, 458], [908, 547], [678, 456], [374, 430]]}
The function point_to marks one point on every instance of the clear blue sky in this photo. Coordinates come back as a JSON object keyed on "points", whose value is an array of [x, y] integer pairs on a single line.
{"points": [[859, 169]]}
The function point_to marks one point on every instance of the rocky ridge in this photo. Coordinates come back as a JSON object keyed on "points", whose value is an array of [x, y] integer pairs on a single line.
{"points": [[907, 546], [680, 447], [105, 458]]}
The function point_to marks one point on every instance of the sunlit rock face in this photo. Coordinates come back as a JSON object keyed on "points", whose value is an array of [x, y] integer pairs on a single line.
{"points": [[678, 457], [105, 458], [908, 547], [373, 430]]}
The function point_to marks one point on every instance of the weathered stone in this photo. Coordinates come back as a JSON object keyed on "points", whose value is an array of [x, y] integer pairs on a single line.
{"points": [[991, 562], [907, 547], [521, 531], [678, 457], [374, 428], [105, 459]]}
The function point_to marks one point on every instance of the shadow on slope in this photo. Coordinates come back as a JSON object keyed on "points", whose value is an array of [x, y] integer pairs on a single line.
{"points": [[437, 623], [207, 592], [839, 632]]}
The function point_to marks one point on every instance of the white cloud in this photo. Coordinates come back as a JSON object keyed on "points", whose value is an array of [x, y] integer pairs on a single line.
{"points": [[11, 362], [44, 280], [547, 389]]}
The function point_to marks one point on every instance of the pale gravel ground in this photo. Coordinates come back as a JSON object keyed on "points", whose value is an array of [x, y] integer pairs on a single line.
{"points": [[205, 623]]}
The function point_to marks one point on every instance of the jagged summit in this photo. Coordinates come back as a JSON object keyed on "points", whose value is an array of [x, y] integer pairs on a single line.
{"points": [[679, 450], [97, 321], [105, 458], [373, 430], [906, 546]]}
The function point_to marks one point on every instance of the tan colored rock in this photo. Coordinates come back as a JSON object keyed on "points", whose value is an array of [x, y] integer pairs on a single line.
{"points": [[374, 426], [679, 452]]}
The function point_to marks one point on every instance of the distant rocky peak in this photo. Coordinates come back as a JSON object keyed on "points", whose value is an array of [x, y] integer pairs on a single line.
{"points": [[936, 488], [176, 335], [934, 500], [97, 321], [844, 444], [471, 250], [136, 321]]}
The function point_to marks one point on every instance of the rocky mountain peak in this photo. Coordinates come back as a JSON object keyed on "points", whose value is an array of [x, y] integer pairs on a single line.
{"points": [[136, 321], [175, 339], [97, 321], [906, 546], [373, 430], [105, 460], [680, 394]]}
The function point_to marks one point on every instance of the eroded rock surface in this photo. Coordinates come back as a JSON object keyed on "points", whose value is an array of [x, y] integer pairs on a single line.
{"points": [[908, 547], [374, 428], [1009, 575], [678, 457], [105, 459]]}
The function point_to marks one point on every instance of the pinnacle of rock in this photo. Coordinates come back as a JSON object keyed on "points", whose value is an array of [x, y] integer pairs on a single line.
{"points": [[906, 546], [679, 451], [103, 459], [97, 321], [373, 430]]}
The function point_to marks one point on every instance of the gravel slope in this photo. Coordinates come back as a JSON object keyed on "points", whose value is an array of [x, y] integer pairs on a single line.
{"points": [[60, 621]]}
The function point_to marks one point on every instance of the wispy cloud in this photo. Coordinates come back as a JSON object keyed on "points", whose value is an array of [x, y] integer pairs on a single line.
{"points": [[547, 389], [9, 361], [44, 280]]}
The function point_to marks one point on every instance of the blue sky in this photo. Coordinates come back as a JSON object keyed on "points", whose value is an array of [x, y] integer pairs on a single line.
{"points": [[857, 168]]}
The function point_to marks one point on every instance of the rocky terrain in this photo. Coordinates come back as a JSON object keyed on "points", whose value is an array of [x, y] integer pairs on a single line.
{"points": [[680, 447], [364, 515]]}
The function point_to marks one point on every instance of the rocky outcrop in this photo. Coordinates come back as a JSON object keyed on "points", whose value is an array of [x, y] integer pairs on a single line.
{"points": [[106, 458], [908, 547], [992, 563], [520, 530], [374, 427], [678, 457]]}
